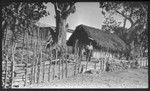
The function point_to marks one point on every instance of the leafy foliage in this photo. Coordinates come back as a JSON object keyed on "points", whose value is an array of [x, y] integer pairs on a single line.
{"points": [[19, 15], [136, 14]]}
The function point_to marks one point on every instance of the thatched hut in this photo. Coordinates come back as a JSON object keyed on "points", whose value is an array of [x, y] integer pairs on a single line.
{"points": [[98, 39]]}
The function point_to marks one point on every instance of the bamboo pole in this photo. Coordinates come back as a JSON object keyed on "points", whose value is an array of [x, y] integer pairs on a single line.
{"points": [[62, 67], [49, 66], [87, 58], [23, 46], [12, 64], [30, 48], [26, 60], [5, 38], [94, 65], [32, 68], [54, 66], [6, 61], [89, 55], [59, 68], [75, 66], [43, 62], [6, 70], [5, 82], [28, 56], [38, 63], [43, 70], [35, 62], [79, 57], [25, 74], [56, 60], [99, 64], [54, 70], [75, 52], [66, 71], [102, 63], [36, 57]]}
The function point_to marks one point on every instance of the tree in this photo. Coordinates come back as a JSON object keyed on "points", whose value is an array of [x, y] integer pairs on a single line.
{"points": [[62, 11], [135, 13]]}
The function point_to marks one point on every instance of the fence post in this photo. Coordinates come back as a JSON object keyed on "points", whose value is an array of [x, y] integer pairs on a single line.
{"points": [[38, 70], [94, 65], [101, 64], [32, 68], [12, 64], [43, 70], [74, 66], [49, 66], [59, 68], [6, 70], [62, 67], [66, 68], [25, 74], [53, 71], [49, 70]]}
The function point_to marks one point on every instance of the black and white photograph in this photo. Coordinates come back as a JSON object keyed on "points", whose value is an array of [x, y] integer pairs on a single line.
{"points": [[65, 45]]}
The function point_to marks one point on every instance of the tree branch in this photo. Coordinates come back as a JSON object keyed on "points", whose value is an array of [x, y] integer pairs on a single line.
{"points": [[128, 18], [132, 28]]}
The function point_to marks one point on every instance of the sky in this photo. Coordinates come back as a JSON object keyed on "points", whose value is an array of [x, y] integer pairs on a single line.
{"points": [[87, 13]]}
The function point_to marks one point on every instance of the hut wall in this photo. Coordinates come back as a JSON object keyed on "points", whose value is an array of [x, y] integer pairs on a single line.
{"points": [[101, 54]]}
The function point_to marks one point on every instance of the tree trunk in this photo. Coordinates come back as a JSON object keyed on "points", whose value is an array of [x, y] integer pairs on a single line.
{"points": [[60, 26]]}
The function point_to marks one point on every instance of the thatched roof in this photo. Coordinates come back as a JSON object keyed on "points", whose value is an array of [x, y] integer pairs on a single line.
{"points": [[101, 38]]}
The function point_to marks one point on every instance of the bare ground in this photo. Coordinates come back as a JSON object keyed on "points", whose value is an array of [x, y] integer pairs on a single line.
{"points": [[131, 78]]}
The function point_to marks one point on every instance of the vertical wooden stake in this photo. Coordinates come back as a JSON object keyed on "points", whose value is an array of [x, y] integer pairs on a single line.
{"points": [[12, 64], [87, 62], [6, 64], [75, 67], [49, 70], [62, 67], [53, 71], [66, 67], [32, 73], [25, 74], [49, 66], [59, 69], [38, 62], [94, 65], [99, 64], [43, 70]]}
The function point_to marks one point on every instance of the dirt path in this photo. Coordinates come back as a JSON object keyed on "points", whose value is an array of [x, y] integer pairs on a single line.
{"points": [[131, 78]]}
